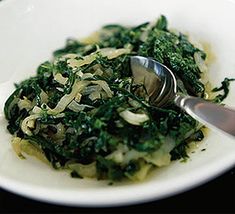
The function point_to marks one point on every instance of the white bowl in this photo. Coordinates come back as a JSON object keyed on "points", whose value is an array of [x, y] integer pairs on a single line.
{"points": [[32, 29]]}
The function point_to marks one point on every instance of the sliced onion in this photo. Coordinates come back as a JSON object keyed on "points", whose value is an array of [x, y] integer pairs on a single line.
{"points": [[66, 99], [98, 72], [88, 170], [112, 53], [29, 123], [15, 142], [36, 110], [60, 79], [70, 56], [43, 96], [104, 85], [134, 118], [78, 97], [90, 89], [24, 146], [75, 63], [79, 74], [25, 103], [95, 95], [87, 76], [76, 107], [133, 155]]}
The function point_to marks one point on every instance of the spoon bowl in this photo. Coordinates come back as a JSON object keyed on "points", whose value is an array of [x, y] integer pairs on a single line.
{"points": [[159, 81]]}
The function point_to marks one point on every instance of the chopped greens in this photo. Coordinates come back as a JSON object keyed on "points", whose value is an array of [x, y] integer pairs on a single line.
{"points": [[225, 88], [82, 111]]}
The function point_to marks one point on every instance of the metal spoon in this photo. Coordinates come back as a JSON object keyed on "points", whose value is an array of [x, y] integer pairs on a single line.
{"points": [[161, 86]]}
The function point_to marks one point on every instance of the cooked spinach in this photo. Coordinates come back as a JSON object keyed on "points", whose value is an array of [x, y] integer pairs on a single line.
{"points": [[82, 107], [225, 88]]}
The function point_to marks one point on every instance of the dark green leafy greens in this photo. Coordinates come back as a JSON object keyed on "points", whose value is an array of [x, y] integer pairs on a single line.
{"points": [[225, 88], [97, 131]]}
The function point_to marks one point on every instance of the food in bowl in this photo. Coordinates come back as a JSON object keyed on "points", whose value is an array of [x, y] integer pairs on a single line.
{"points": [[83, 112]]}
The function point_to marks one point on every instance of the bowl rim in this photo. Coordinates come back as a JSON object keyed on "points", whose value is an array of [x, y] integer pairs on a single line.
{"points": [[74, 199]]}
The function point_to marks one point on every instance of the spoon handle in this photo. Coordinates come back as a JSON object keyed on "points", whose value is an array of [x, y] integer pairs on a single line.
{"points": [[213, 115]]}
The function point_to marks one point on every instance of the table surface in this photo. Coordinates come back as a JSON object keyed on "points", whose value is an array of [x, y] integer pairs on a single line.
{"points": [[217, 196]]}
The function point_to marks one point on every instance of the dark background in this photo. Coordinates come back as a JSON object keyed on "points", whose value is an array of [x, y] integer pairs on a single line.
{"points": [[216, 196]]}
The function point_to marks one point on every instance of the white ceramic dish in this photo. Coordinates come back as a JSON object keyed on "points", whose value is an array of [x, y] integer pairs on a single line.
{"points": [[32, 29]]}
